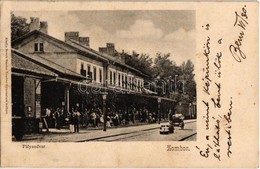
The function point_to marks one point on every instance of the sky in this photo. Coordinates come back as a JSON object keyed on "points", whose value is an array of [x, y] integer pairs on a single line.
{"points": [[146, 32]]}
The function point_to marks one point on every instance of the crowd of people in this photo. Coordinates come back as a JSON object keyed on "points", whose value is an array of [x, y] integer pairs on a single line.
{"points": [[94, 118]]}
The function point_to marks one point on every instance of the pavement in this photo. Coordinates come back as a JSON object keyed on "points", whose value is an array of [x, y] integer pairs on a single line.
{"points": [[187, 134], [92, 134]]}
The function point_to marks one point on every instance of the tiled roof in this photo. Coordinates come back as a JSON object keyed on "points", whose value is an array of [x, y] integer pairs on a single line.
{"points": [[104, 55], [86, 49], [77, 49], [83, 50], [21, 63], [49, 65]]}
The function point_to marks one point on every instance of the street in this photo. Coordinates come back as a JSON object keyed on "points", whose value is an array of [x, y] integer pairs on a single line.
{"points": [[186, 134], [146, 132]]}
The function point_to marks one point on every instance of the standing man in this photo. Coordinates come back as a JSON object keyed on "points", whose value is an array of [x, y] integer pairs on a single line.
{"points": [[93, 118], [71, 120], [77, 117], [85, 118], [57, 119], [170, 118]]}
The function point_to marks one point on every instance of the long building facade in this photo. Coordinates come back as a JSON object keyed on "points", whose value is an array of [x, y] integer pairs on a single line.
{"points": [[101, 68], [81, 74]]}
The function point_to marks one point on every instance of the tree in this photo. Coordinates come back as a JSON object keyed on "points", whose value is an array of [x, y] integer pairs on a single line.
{"points": [[141, 62], [19, 26], [163, 67], [187, 69], [164, 71]]}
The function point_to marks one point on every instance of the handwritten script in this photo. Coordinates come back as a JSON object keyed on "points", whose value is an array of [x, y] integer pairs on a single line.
{"points": [[217, 114], [241, 23]]}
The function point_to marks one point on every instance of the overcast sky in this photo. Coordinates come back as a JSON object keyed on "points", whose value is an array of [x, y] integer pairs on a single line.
{"points": [[143, 31]]}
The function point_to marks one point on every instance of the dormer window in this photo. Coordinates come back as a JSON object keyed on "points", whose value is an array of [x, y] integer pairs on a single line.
{"points": [[38, 47]]}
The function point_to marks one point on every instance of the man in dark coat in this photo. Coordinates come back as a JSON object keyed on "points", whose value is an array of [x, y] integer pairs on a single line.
{"points": [[76, 115]]}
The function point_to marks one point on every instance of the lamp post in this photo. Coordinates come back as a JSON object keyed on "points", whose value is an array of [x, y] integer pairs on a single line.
{"points": [[171, 82], [159, 110], [183, 86], [175, 84], [104, 98], [190, 110]]}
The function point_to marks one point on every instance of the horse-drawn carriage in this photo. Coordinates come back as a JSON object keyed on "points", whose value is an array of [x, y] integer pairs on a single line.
{"points": [[177, 120]]}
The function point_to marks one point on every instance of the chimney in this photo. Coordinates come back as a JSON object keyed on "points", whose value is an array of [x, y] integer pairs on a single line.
{"points": [[102, 50], [44, 27], [111, 45], [111, 49], [84, 41], [120, 57], [123, 56], [34, 24], [72, 36]]}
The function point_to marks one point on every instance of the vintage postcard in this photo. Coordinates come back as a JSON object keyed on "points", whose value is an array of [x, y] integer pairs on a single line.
{"points": [[129, 84]]}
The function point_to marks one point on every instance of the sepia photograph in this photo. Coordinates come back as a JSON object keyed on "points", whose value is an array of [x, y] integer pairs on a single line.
{"points": [[81, 76], [129, 84]]}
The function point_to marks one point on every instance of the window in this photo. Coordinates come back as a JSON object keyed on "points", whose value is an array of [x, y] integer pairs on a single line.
{"points": [[100, 75], [94, 73], [114, 77], [132, 83], [89, 72], [135, 87], [110, 77], [88, 68], [82, 71], [123, 85], [82, 66], [125, 81], [128, 82], [119, 80], [138, 85], [38, 47], [41, 47]]}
